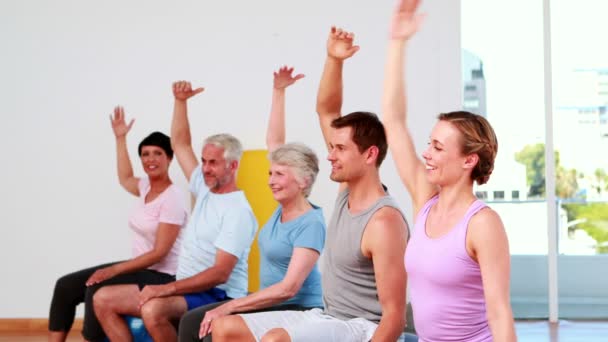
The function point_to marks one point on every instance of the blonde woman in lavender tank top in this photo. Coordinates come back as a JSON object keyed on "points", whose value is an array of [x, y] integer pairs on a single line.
{"points": [[458, 257]]}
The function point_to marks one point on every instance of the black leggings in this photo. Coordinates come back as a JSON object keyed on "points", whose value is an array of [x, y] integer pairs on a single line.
{"points": [[70, 290], [190, 323]]}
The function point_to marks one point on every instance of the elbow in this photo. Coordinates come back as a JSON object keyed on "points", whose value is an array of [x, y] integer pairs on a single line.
{"points": [[157, 256], [319, 107], [288, 291], [323, 107], [222, 276]]}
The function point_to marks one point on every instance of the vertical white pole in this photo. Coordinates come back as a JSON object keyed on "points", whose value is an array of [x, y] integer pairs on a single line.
{"points": [[550, 169]]}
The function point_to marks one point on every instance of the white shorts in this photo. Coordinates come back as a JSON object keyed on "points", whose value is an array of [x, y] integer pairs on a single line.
{"points": [[311, 325]]}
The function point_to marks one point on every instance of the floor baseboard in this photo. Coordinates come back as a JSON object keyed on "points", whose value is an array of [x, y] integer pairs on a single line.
{"points": [[17, 325]]}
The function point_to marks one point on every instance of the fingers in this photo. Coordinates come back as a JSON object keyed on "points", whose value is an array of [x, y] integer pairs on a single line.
{"points": [[341, 34], [181, 86], [183, 90], [408, 5], [205, 328], [203, 331], [143, 298], [130, 124], [96, 277]]}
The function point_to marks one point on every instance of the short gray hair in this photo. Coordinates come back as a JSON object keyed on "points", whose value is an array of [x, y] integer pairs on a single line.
{"points": [[302, 159], [233, 150]]}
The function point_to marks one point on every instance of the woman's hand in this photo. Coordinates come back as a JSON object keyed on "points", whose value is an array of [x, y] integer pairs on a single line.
{"points": [[283, 78], [101, 275], [216, 313], [119, 126]]}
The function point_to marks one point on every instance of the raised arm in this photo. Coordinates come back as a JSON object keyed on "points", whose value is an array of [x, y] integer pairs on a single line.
{"points": [[275, 135], [405, 22], [385, 240], [329, 98], [181, 140], [301, 264], [123, 162], [491, 249]]}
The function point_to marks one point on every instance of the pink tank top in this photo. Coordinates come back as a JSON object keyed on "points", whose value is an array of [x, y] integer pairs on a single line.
{"points": [[445, 283]]}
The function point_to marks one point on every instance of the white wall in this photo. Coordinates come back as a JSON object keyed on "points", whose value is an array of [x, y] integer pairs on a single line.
{"points": [[65, 64]]}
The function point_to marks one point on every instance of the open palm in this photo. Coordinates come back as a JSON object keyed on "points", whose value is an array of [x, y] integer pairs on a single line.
{"points": [[119, 126], [283, 78], [406, 21]]}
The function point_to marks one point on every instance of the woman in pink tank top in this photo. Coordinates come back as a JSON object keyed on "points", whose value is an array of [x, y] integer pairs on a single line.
{"points": [[457, 261]]}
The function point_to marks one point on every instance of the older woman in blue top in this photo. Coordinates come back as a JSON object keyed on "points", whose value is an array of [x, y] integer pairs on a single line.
{"points": [[290, 242]]}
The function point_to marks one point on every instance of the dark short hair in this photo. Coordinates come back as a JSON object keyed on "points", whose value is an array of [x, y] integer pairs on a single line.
{"points": [[367, 131], [157, 139]]}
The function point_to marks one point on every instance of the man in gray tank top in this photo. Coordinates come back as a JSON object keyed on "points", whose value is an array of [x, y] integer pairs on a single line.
{"points": [[363, 275]]}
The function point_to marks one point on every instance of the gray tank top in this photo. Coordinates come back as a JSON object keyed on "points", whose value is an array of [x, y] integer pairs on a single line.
{"points": [[349, 283]]}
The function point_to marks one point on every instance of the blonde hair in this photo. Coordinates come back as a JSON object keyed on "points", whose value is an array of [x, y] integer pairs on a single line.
{"points": [[478, 137]]}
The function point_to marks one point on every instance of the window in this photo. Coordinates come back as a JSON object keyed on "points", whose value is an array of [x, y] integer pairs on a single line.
{"points": [[499, 195], [482, 195]]}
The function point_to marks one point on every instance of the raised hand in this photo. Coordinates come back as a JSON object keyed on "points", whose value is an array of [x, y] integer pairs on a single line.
{"points": [[340, 44], [283, 78], [119, 126], [182, 90], [405, 21]]}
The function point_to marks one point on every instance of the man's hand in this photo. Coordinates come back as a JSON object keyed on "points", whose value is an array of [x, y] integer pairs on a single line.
{"points": [[155, 291], [182, 90], [340, 44]]}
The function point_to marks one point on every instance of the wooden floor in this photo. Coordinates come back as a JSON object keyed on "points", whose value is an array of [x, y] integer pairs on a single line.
{"points": [[35, 337], [541, 331]]}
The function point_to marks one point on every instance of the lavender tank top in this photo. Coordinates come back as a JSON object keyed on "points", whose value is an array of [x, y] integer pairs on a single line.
{"points": [[445, 284]]}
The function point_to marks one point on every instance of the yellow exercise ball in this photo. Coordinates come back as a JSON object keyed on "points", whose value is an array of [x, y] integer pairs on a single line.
{"points": [[252, 178]]}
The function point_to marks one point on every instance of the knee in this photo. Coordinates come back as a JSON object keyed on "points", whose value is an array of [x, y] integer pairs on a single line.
{"points": [[64, 284], [226, 327], [102, 300], [276, 335], [152, 312]]}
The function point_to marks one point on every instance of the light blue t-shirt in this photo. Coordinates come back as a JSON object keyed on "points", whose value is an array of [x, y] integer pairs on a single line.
{"points": [[218, 221], [277, 241]]}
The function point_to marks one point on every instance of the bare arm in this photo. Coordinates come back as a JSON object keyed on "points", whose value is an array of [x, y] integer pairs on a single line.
{"points": [[411, 169], [301, 264], [329, 97], [275, 135], [123, 162], [166, 235], [205, 280], [384, 240], [490, 246], [181, 140]]}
